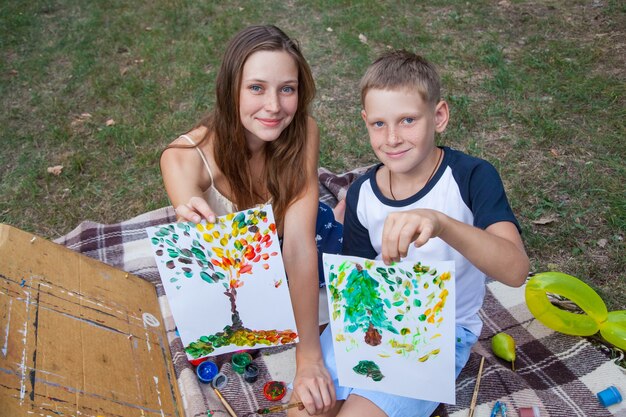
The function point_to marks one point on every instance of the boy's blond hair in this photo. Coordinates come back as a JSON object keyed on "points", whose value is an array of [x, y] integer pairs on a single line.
{"points": [[402, 69]]}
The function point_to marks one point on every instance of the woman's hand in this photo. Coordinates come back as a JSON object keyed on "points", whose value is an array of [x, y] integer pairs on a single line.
{"points": [[195, 210], [314, 387]]}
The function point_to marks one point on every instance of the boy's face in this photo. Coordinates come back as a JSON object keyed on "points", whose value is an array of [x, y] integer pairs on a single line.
{"points": [[402, 126]]}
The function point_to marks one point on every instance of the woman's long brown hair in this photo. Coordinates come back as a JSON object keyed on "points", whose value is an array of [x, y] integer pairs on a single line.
{"points": [[285, 156]]}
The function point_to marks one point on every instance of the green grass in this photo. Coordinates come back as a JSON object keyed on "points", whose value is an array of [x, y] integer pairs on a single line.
{"points": [[535, 87]]}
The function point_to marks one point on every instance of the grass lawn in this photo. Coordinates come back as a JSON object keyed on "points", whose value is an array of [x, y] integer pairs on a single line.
{"points": [[535, 87]]}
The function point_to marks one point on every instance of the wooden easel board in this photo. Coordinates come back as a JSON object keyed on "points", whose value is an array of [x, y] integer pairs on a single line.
{"points": [[78, 337]]}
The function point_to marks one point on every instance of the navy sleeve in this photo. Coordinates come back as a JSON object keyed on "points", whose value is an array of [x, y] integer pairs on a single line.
{"points": [[486, 197], [356, 241]]}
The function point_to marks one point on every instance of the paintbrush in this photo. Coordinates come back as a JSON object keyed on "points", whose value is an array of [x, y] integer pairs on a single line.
{"points": [[226, 405], [278, 408], [475, 396]]}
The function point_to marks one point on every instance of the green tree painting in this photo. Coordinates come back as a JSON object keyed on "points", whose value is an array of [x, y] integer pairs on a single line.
{"points": [[371, 299], [364, 309]]}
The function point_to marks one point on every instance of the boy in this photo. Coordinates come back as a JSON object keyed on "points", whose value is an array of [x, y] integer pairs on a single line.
{"points": [[424, 202]]}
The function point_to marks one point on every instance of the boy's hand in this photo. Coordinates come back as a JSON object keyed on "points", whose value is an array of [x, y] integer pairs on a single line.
{"points": [[405, 227], [195, 210]]}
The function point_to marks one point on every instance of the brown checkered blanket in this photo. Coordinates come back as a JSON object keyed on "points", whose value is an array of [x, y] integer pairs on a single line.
{"points": [[559, 374]]}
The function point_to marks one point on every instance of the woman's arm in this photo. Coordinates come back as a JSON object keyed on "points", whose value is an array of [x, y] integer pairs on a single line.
{"points": [[185, 178], [312, 384]]}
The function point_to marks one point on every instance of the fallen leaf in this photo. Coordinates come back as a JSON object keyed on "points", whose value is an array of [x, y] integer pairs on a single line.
{"points": [[80, 119], [362, 38], [554, 152], [55, 170], [602, 242], [110, 122], [545, 220]]}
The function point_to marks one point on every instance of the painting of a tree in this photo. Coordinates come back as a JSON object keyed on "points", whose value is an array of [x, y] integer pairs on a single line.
{"points": [[364, 309], [375, 298], [236, 248], [386, 319]]}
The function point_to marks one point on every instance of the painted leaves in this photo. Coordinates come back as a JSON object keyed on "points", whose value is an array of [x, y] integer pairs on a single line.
{"points": [[374, 300], [393, 323], [166, 240], [224, 250], [238, 248], [238, 241]]}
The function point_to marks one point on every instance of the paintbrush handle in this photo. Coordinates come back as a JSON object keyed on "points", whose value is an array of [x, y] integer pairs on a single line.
{"points": [[278, 408], [476, 387], [285, 407], [226, 405]]}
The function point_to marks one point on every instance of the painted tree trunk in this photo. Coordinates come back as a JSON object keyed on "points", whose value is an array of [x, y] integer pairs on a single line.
{"points": [[232, 296]]}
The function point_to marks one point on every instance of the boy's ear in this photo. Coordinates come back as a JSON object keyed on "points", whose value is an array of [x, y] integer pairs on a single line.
{"points": [[364, 115], [442, 115]]}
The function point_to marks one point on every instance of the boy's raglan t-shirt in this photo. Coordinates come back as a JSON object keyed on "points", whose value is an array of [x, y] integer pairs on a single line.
{"points": [[465, 188]]}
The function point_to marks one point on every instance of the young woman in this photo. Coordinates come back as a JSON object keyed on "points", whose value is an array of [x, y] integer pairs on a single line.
{"points": [[260, 145]]}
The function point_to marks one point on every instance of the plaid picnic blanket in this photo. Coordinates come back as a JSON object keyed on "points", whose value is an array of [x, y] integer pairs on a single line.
{"points": [[559, 374]]}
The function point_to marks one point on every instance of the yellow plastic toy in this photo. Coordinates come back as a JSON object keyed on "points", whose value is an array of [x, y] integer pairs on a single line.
{"points": [[612, 326]]}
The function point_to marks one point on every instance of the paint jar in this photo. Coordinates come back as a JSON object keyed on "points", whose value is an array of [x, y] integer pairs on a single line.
{"points": [[609, 396], [239, 361], [220, 381], [251, 372], [206, 371], [274, 390], [529, 412]]}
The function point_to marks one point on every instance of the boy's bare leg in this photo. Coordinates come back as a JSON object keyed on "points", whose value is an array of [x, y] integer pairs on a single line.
{"points": [[354, 406], [357, 406]]}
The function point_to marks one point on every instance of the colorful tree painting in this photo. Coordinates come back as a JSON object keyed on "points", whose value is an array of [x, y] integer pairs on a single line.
{"points": [[363, 307], [227, 253], [393, 323], [373, 299]]}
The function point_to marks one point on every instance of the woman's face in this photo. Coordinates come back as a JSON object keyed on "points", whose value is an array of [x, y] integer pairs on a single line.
{"points": [[268, 97]]}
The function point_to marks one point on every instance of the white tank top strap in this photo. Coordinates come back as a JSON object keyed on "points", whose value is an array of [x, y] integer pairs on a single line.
{"points": [[206, 163]]}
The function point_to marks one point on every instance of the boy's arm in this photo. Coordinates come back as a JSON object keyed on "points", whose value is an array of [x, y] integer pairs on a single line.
{"points": [[497, 251], [493, 244], [356, 240]]}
